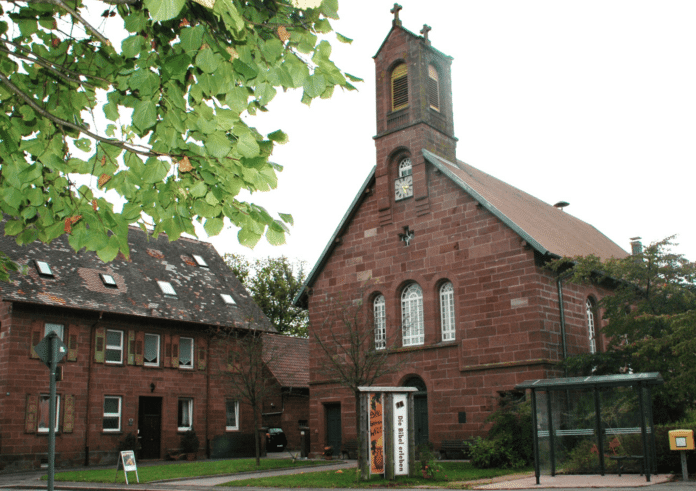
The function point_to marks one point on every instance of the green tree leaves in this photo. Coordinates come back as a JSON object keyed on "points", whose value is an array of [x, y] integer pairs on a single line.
{"points": [[178, 148]]}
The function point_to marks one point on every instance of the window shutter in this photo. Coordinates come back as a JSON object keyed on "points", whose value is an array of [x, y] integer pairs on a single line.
{"points": [[399, 83], [35, 337], [139, 348], [72, 342], [175, 351], [69, 414], [99, 338], [31, 412], [131, 347], [201, 355], [167, 351]]}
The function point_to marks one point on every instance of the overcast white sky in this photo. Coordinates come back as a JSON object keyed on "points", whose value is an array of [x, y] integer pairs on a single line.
{"points": [[591, 102]]}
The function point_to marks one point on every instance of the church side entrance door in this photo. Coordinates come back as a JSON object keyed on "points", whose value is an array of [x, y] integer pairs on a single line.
{"points": [[420, 409], [333, 427]]}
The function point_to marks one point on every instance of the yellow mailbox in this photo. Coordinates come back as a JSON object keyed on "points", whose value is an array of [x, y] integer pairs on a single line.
{"points": [[681, 440]]}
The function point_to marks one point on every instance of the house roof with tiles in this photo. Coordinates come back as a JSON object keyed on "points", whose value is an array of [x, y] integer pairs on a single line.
{"points": [[184, 280], [288, 360], [550, 231]]}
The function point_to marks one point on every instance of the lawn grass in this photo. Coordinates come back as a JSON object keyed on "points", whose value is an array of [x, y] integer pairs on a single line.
{"points": [[178, 470], [451, 472]]}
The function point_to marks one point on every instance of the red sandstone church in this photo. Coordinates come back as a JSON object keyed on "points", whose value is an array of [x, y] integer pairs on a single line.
{"points": [[453, 259]]}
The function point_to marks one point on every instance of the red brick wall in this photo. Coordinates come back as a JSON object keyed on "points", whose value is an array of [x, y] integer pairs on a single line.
{"points": [[89, 381]]}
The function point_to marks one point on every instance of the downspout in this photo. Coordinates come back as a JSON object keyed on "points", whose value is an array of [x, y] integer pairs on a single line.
{"points": [[561, 311], [89, 384], [207, 397]]}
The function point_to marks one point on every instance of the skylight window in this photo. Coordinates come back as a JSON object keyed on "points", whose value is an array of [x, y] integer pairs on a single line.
{"points": [[200, 261], [108, 280], [167, 288], [227, 298], [43, 268]]}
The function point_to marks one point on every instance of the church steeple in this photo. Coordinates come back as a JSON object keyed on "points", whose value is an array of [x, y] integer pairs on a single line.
{"points": [[414, 110]]}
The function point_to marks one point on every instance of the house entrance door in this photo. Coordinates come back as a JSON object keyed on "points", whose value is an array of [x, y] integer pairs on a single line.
{"points": [[420, 409], [333, 427], [150, 427]]}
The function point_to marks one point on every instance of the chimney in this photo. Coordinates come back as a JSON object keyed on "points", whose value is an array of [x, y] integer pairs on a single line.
{"points": [[636, 246]]}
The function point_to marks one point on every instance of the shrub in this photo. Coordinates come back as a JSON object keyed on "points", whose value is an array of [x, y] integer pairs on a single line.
{"points": [[130, 442], [488, 454], [429, 464], [189, 442]]}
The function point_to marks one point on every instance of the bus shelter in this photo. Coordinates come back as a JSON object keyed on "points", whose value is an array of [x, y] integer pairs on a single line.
{"points": [[582, 424]]}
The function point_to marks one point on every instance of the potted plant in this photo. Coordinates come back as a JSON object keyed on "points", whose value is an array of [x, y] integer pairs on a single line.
{"points": [[328, 452], [190, 444]]}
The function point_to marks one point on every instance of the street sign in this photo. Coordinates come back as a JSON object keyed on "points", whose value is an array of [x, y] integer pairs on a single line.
{"points": [[43, 349]]}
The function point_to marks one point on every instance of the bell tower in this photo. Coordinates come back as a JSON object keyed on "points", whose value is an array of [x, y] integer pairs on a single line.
{"points": [[414, 112]]}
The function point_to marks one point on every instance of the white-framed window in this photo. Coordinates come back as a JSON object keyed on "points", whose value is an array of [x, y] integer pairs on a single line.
{"points": [[227, 298], [433, 88], [152, 350], [199, 260], [59, 329], [186, 352], [112, 413], [114, 346], [44, 408], [412, 315], [43, 268], [231, 415], [590, 310], [447, 311], [108, 280], [185, 414], [380, 322], [405, 167], [167, 288]]}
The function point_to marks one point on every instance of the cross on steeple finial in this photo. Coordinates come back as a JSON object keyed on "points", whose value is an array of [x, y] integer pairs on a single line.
{"points": [[426, 29], [395, 11]]}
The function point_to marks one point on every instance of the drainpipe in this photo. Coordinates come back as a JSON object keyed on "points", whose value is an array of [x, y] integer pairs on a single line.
{"points": [[561, 311]]}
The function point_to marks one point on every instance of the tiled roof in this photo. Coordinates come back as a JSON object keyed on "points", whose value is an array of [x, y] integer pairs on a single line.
{"points": [[288, 359], [546, 228], [77, 283]]}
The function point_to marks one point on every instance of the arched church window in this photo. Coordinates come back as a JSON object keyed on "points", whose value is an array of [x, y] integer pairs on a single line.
{"points": [[590, 310], [412, 315], [447, 311], [380, 318], [399, 87], [433, 88], [405, 167]]}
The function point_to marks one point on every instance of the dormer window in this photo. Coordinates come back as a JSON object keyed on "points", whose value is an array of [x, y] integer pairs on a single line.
{"points": [[433, 88], [227, 298], [399, 87], [108, 280], [167, 288], [43, 268], [200, 261]]}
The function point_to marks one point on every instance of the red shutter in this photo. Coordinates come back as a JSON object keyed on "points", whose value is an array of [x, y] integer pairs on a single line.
{"points": [[99, 340], [167, 350], [72, 342], [201, 355], [175, 351], [35, 337], [69, 414], [131, 347], [31, 412], [139, 348]]}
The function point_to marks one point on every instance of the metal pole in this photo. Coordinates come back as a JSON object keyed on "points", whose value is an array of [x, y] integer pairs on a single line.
{"points": [[53, 348], [535, 432], [551, 434]]}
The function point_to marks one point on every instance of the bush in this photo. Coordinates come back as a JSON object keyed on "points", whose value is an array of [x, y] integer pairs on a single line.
{"points": [[488, 454], [130, 442], [189, 442]]}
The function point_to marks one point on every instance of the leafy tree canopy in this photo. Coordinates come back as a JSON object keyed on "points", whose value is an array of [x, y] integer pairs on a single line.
{"points": [[157, 122], [650, 320], [273, 283]]}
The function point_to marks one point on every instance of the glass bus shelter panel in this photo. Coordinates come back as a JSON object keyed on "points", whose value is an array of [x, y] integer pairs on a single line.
{"points": [[621, 424], [543, 438], [575, 436]]}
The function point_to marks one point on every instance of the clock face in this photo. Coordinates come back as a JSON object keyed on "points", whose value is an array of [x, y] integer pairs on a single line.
{"points": [[403, 188]]}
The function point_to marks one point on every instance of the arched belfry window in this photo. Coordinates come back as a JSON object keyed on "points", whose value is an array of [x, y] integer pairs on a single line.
{"points": [[590, 310], [433, 88], [380, 318], [412, 315], [447, 311], [399, 87], [405, 167]]}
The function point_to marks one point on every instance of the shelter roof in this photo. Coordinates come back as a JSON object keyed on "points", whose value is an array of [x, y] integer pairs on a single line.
{"points": [[578, 383], [77, 282]]}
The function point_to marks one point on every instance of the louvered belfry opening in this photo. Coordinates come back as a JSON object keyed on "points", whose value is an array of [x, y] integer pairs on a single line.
{"points": [[433, 88], [399, 84]]}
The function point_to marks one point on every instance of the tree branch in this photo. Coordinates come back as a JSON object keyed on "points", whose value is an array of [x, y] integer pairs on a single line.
{"points": [[76, 15], [61, 122]]}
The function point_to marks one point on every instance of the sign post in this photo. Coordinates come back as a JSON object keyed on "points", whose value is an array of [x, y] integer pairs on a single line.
{"points": [[51, 350]]}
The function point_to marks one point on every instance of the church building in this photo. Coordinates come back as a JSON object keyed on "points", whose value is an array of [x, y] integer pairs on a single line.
{"points": [[449, 264]]}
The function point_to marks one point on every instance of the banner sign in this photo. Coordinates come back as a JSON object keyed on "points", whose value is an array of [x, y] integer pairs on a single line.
{"points": [[127, 463], [400, 434], [376, 434]]}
